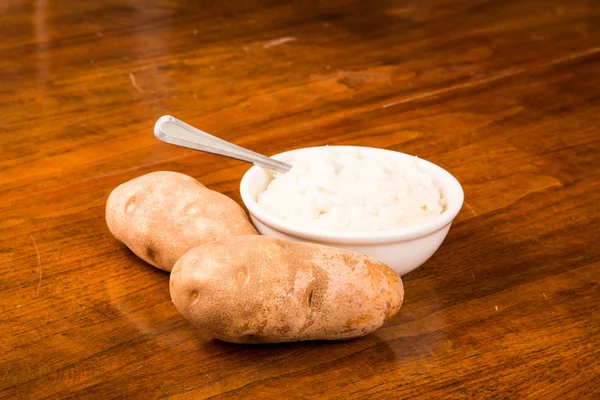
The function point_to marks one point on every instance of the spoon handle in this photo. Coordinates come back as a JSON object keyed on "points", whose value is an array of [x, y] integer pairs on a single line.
{"points": [[171, 130]]}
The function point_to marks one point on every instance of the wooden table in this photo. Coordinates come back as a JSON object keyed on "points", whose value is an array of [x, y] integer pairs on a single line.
{"points": [[504, 94]]}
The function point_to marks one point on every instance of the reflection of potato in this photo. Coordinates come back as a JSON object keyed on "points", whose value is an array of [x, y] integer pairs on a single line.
{"points": [[161, 215], [258, 289]]}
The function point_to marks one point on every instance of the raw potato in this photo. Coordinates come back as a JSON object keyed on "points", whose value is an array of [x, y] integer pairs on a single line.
{"points": [[259, 289], [161, 215]]}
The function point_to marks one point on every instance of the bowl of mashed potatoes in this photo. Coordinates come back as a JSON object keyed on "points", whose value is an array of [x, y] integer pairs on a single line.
{"points": [[391, 206]]}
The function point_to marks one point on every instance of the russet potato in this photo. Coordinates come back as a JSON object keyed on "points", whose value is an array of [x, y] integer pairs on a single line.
{"points": [[258, 289], [161, 215]]}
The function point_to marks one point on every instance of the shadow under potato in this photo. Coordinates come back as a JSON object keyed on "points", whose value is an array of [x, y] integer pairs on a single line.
{"points": [[318, 350]]}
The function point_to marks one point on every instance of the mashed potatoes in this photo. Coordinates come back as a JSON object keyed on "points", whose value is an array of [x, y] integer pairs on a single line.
{"points": [[331, 190]]}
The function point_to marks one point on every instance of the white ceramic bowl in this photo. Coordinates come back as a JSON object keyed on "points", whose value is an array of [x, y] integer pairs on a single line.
{"points": [[403, 249]]}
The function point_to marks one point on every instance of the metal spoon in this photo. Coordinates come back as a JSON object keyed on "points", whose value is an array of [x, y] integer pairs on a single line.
{"points": [[171, 130]]}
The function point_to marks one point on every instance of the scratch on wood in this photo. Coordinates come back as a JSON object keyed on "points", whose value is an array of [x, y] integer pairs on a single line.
{"points": [[544, 294], [496, 308], [473, 275], [574, 56], [287, 355], [508, 73], [469, 84], [470, 209], [277, 42], [134, 83], [37, 251], [349, 346]]}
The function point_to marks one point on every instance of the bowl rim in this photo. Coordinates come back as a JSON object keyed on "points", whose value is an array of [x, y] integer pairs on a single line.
{"points": [[455, 203]]}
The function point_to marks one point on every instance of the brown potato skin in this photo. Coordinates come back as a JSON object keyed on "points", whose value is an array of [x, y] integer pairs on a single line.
{"points": [[258, 289], [163, 214]]}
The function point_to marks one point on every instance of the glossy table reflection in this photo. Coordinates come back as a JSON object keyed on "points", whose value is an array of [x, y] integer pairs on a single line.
{"points": [[504, 94]]}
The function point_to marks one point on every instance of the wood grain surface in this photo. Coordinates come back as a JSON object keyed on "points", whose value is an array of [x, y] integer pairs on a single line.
{"points": [[503, 94]]}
